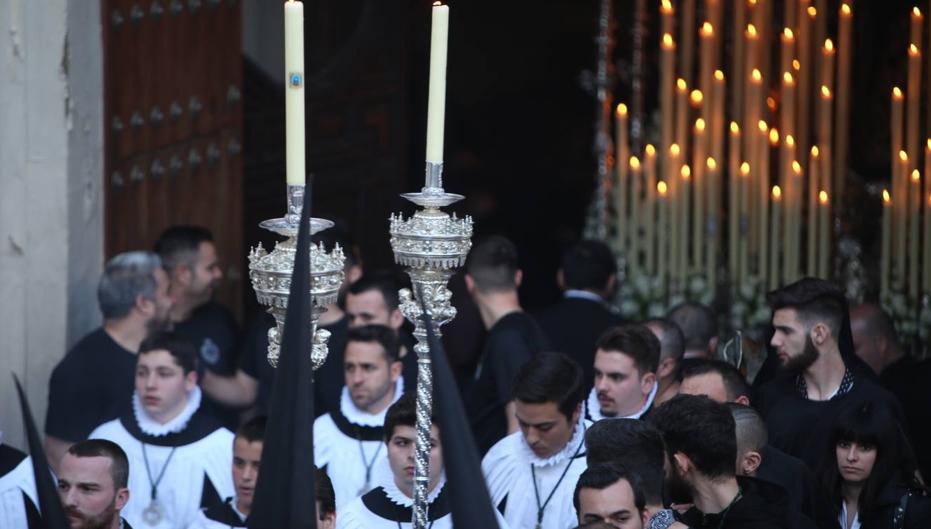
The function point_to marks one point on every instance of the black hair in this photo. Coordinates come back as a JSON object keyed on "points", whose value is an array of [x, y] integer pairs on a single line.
{"points": [[636, 444], [178, 245], [700, 428], [178, 346], [550, 377], [384, 282], [492, 264], [671, 339], [603, 475], [380, 334], [735, 385], [697, 322], [870, 424], [749, 427], [403, 413], [253, 430], [634, 340], [119, 463], [588, 265], [815, 300], [325, 496]]}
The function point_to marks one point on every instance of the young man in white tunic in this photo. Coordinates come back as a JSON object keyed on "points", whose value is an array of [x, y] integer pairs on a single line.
{"points": [[390, 505], [17, 489], [349, 441], [626, 360], [179, 456], [92, 485], [531, 473]]}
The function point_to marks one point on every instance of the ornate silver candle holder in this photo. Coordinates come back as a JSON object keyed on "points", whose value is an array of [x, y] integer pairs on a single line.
{"points": [[271, 276], [431, 245]]}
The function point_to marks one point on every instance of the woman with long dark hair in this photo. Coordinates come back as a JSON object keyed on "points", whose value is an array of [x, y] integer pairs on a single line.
{"points": [[872, 479]]}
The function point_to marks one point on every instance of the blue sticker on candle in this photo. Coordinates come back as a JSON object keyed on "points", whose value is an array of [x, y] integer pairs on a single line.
{"points": [[295, 79]]}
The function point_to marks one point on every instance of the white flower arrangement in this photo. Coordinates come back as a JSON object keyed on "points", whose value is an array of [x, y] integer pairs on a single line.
{"points": [[749, 312], [641, 297]]}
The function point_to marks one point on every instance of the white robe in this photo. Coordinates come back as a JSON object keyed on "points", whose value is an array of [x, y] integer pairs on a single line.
{"points": [[357, 515], [12, 486], [593, 406], [507, 470], [229, 511], [180, 489], [342, 453]]}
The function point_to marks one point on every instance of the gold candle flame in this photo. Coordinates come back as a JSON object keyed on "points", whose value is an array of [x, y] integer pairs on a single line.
{"points": [[661, 188], [886, 198], [744, 169], [634, 163], [621, 109], [823, 197], [685, 172], [777, 193], [650, 150]]}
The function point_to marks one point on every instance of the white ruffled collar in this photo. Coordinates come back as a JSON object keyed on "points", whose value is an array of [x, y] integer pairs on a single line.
{"points": [[594, 407], [571, 449], [356, 416], [150, 426], [399, 498]]}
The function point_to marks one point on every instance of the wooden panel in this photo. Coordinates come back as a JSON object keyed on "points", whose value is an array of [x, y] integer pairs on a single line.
{"points": [[173, 109]]}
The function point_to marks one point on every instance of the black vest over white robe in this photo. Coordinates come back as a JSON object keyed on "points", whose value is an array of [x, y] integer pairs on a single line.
{"points": [[348, 444], [194, 452], [17, 490]]}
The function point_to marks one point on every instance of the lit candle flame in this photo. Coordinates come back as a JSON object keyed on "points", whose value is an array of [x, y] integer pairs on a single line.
{"points": [[681, 85], [661, 189], [896, 92], [634, 163], [825, 92], [815, 152], [744, 169], [777, 193], [787, 33], [756, 75], [829, 45], [913, 50], [915, 11], [696, 97], [621, 109], [700, 125], [735, 129], [711, 164], [796, 167], [928, 146], [665, 6], [650, 150], [845, 10], [674, 149], [774, 136], [751, 31], [762, 125], [916, 176], [787, 78], [719, 75], [886, 198], [812, 11], [790, 141], [686, 172], [823, 198], [707, 30], [903, 156], [667, 41], [796, 65]]}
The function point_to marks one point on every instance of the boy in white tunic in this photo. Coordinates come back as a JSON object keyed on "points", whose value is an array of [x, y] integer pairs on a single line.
{"points": [[178, 455], [532, 473], [349, 441], [389, 505]]}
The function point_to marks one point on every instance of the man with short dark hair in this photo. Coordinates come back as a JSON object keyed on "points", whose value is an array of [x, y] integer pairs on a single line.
{"points": [[133, 297], [349, 440], [179, 455], [699, 326], [18, 499], [587, 277], [390, 504], [637, 445], [189, 257], [92, 484], [610, 493], [671, 351], [247, 455], [492, 278], [701, 446], [326, 501], [531, 473], [718, 380], [801, 404], [626, 360]]}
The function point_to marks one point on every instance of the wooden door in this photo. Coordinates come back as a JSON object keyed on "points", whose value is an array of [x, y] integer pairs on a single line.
{"points": [[173, 140]]}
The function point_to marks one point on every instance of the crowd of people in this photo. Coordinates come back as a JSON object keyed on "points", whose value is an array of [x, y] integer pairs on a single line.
{"points": [[157, 418]]}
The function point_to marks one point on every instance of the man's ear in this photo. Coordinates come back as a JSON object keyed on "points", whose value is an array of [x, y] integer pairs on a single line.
{"points": [[681, 463], [144, 305], [819, 333], [122, 498], [667, 368], [190, 380], [396, 368], [396, 319], [647, 383], [750, 462], [743, 399], [182, 275], [561, 280], [518, 277]]}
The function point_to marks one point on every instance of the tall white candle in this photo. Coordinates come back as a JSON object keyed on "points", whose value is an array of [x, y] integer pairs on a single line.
{"points": [[436, 102], [294, 91]]}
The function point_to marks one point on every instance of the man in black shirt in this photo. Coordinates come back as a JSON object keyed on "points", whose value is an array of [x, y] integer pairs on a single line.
{"points": [[492, 278], [92, 382], [802, 402], [189, 257], [587, 277]]}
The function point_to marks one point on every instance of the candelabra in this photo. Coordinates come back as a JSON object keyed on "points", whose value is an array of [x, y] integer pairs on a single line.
{"points": [[271, 276], [431, 245]]}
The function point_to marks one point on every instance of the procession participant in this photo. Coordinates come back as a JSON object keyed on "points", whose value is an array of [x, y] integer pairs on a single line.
{"points": [[492, 278], [531, 473], [671, 351], [179, 455], [18, 498], [626, 360], [610, 493], [133, 297], [349, 440], [247, 454], [92, 484], [698, 324]]}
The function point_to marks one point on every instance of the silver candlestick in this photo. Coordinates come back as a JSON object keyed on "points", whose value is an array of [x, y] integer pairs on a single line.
{"points": [[271, 276], [431, 245]]}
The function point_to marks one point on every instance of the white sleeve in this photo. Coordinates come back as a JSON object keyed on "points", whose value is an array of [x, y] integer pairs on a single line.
{"points": [[353, 516], [498, 467]]}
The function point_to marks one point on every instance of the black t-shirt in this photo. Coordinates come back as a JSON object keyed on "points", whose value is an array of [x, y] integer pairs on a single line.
{"points": [[801, 427], [511, 341], [215, 334], [89, 387], [328, 380]]}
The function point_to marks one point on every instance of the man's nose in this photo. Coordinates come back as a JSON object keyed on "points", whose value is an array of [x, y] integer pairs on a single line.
{"points": [[852, 453]]}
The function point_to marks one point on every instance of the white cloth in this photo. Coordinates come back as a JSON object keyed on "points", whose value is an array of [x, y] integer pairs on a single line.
{"points": [[346, 457], [355, 515], [594, 407], [12, 486], [181, 487], [583, 294], [152, 427], [202, 522], [842, 518], [507, 470]]}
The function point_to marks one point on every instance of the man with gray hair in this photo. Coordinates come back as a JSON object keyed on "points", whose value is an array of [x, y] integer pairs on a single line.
{"points": [[95, 378]]}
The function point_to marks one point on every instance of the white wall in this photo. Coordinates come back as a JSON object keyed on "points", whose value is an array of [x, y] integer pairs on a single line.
{"points": [[51, 236]]}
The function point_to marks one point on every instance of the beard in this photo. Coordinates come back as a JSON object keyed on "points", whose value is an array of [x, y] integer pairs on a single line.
{"points": [[677, 489], [799, 363], [103, 520]]}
